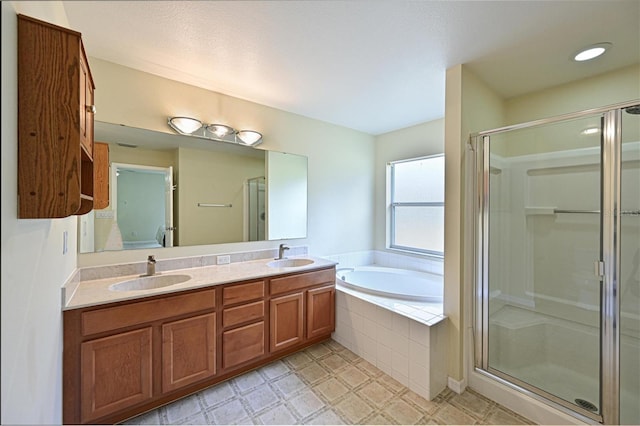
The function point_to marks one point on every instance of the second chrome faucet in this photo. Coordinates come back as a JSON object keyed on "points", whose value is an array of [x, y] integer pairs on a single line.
{"points": [[281, 251], [151, 265]]}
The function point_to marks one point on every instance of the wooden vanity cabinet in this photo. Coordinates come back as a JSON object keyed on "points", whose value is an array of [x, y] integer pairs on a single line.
{"points": [[321, 305], [128, 357], [125, 356], [302, 307], [55, 122], [243, 323]]}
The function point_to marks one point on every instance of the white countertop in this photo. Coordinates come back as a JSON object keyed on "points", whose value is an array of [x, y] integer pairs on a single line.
{"points": [[97, 292]]}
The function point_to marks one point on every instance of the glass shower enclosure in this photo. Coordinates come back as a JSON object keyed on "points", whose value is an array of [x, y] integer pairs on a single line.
{"points": [[557, 225], [256, 209]]}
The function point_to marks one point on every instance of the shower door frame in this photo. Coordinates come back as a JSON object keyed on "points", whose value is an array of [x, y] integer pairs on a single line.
{"points": [[608, 266]]}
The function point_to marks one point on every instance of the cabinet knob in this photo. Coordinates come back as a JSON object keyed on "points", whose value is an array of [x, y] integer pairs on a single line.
{"points": [[91, 109]]}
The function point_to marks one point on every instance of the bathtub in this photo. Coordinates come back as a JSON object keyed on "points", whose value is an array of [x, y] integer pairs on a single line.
{"points": [[393, 283], [394, 319]]}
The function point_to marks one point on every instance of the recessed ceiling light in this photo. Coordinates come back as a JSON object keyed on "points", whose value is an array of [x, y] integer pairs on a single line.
{"points": [[591, 52]]}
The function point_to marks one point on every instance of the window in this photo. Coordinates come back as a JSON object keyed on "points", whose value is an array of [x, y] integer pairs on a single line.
{"points": [[416, 189]]}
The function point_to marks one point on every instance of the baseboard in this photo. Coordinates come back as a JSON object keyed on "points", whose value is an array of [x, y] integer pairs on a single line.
{"points": [[458, 386]]}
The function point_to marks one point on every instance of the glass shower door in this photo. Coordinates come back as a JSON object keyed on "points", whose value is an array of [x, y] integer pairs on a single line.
{"points": [[544, 230], [630, 268]]}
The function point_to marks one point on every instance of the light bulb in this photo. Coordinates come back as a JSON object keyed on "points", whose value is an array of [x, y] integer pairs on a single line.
{"points": [[249, 137], [220, 130], [185, 125], [591, 52]]}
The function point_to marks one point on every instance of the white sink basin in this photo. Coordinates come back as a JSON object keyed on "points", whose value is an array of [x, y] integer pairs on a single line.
{"points": [[149, 283], [289, 263]]}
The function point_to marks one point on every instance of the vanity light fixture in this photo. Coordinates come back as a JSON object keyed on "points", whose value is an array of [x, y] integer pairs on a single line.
{"points": [[591, 52], [185, 125], [249, 137], [220, 132]]}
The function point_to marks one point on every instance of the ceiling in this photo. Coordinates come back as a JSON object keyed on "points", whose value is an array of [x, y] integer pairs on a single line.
{"points": [[374, 66]]}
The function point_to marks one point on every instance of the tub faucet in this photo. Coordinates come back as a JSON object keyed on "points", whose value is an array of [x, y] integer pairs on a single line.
{"points": [[281, 251], [151, 265]]}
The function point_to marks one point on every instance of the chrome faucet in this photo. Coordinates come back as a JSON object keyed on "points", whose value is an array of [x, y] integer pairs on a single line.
{"points": [[151, 265], [281, 251]]}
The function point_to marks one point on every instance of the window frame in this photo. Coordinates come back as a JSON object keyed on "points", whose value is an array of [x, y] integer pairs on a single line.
{"points": [[393, 205]]}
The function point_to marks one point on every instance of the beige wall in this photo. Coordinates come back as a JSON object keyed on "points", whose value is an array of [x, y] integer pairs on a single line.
{"points": [[217, 178], [602, 90], [33, 264], [470, 106], [411, 142], [340, 216], [142, 156]]}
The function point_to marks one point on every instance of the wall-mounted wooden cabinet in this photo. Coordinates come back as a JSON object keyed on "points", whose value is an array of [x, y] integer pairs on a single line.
{"points": [[55, 122], [100, 175]]}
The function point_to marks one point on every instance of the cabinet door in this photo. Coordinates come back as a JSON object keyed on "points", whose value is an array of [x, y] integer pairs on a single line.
{"points": [[286, 316], [320, 311], [86, 106], [242, 344], [100, 175], [188, 351], [116, 373]]}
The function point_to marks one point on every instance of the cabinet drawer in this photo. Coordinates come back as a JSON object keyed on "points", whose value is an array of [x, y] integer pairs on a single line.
{"points": [[109, 319], [242, 344], [242, 293], [243, 313], [296, 282]]}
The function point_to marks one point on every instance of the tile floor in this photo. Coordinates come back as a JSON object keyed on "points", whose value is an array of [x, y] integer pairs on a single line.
{"points": [[325, 384]]}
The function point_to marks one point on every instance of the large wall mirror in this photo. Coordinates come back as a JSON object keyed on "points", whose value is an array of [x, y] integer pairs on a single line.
{"points": [[171, 190]]}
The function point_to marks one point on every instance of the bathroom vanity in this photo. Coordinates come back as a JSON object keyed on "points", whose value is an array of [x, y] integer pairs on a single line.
{"points": [[127, 352]]}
